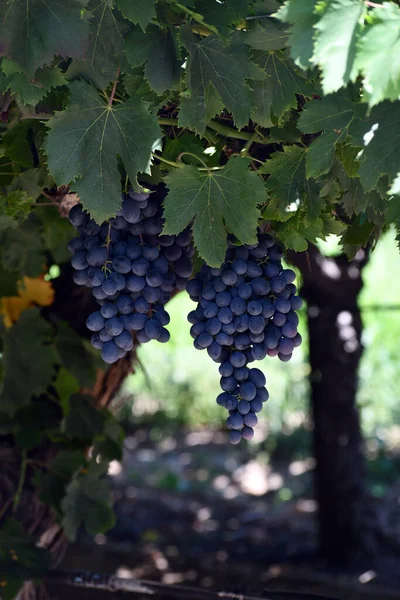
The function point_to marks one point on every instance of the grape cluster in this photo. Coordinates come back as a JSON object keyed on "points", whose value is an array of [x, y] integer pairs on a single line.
{"points": [[245, 311], [132, 270]]}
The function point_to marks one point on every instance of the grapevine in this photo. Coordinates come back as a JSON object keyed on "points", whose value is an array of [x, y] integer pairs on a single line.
{"points": [[223, 122]]}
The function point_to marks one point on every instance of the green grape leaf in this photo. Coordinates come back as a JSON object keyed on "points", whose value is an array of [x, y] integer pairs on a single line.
{"points": [[271, 35], [139, 12], [88, 503], [380, 39], [17, 142], [347, 154], [20, 558], [51, 485], [33, 32], [293, 239], [358, 233], [83, 143], [229, 195], [302, 18], [83, 421], [31, 90], [222, 15], [14, 208], [66, 385], [277, 93], [74, 356], [338, 29], [226, 67], [335, 112], [23, 377], [105, 53], [56, 233], [379, 139], [320, 154], [15, 241], [34, 421], [157, 49], [287, 174]]}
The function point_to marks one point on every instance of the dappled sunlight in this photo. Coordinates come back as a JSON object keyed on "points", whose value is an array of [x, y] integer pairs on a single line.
{"points": [[298, 467]]}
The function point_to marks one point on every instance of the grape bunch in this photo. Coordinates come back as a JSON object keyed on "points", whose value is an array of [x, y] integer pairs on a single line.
{"points": [[132, 270], [245, 311]]}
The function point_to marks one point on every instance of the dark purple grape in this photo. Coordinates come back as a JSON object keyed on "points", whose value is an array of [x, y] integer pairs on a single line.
{"points": [[110, 352], [95, 321]]}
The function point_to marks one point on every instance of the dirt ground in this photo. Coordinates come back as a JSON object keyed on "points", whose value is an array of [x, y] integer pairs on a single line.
{"points": [[194, 510]]}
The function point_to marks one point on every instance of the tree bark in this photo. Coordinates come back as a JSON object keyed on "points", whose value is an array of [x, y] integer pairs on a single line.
{"points": [[331, 287]]}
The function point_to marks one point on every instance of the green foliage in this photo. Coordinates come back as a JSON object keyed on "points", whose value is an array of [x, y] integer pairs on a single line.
{"points": [[87, 502], [23, 377], [20, 559]]}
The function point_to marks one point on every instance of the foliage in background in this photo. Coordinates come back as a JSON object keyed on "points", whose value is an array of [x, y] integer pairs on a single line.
{"points": [[252, 112]]}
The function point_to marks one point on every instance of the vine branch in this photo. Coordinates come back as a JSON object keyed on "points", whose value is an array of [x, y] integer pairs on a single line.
{"points": [[220, 128], [111, 583]]}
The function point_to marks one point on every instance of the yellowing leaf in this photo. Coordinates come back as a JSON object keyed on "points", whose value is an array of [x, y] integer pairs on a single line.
{"points": [[31, 292]]}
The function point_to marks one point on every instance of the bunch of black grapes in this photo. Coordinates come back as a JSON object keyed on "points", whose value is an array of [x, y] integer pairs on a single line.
{"points": [[132, 270], [246, 311]]}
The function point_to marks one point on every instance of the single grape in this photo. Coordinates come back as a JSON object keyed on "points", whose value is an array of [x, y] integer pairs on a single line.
{"points": [[225, 369], [235, 437], [247, 433], [235, 421], [204, 340], [237, 359], [96, 341], [97, 256], [124, 340], [213, 326], [228, 384], [110, 352], [223, 299], [239, 266], [229, 277], [125, 304], [114, 326], [78, 261], [241, 373], [250, 420], [140, 266], [247, 390], [243, 407], [257, 377], [108, 310], [121, 264], [95, 321]]}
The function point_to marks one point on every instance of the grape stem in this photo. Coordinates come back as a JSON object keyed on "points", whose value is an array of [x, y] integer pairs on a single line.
{"points": [[105, 268], [114, 88], [372, 4], [179, 158]]}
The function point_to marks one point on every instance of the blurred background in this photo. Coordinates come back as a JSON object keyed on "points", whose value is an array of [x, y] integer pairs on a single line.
{"points": [[192, 509]]}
